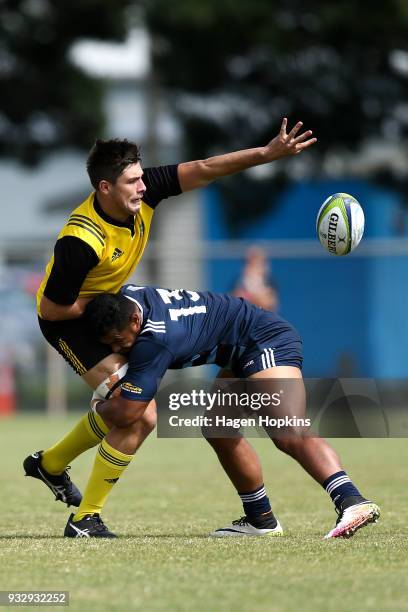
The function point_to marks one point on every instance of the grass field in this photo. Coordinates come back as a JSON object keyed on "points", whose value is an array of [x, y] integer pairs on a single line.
{"points": [[164, 507]]}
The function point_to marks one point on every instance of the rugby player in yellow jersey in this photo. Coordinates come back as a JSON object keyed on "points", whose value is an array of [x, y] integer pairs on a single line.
{"points": [[96, 251]]}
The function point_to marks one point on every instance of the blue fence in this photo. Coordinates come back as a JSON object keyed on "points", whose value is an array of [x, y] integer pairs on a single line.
{"points": [[350, 311]]}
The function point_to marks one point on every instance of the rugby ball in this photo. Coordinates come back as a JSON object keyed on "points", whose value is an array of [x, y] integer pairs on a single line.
{"points": [[340, 224]]}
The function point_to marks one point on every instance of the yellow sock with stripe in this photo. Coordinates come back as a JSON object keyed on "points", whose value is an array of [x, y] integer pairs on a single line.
{"points": [[88, 432], [108, 467]]}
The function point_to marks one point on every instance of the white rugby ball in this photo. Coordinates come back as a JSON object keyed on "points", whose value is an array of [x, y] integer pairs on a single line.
{"points": [[340, 224]]}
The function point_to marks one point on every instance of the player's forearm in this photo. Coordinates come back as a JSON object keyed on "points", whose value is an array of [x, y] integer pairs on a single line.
{"points": [[203, 171], [50, 311]]}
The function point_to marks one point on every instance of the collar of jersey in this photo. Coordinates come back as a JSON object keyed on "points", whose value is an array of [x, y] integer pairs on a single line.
{"points": [[129, 223]]}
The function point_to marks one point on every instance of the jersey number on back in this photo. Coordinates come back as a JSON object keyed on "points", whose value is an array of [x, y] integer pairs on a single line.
{"points": [[175, 313]]}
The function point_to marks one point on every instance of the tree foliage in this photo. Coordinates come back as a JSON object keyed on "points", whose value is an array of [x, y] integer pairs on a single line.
{"points": [[46, 101], [329, 63], [236, 67]]}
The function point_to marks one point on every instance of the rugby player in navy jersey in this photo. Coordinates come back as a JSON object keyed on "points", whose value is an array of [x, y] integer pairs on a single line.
{"points": [[163, 329], [96, 251]]}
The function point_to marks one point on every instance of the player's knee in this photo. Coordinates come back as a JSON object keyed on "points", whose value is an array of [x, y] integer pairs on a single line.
{"points": [[223, 445], [288, 444], [213, 436], [216, 436]]}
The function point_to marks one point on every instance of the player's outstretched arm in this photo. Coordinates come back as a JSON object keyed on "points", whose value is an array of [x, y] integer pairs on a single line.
{"points": [[203, 171]]}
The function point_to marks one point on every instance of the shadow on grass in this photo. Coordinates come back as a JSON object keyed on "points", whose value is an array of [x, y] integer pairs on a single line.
{"points": [[120, 537]]}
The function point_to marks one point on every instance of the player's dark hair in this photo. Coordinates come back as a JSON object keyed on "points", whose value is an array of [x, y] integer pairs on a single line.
{"points": [[109, 158], [109, 311]]}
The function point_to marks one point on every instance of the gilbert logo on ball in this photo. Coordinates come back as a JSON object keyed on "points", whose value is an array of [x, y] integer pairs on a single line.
{"points": [[340, 224]]}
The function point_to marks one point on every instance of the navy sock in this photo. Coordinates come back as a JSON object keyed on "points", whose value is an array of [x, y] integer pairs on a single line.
{"points": [[339, 486], [255, 502]]}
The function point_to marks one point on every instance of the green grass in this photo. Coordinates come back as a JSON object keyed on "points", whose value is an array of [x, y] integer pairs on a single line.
{"points": [[171, 497]]}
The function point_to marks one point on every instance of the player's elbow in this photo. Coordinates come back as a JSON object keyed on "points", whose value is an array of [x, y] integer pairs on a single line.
{"points": [[50, 311], [47, 310], [193, 175], [49, 317]]}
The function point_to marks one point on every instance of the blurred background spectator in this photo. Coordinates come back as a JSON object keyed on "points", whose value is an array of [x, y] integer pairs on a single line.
{"points": [[256, 283]]}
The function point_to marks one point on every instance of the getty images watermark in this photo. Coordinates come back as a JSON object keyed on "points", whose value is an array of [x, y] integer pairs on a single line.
{"points": [[207, 400], [220, 400], [327, 407]]}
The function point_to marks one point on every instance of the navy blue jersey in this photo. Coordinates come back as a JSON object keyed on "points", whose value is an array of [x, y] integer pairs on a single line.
{"points": [[187, 328]]}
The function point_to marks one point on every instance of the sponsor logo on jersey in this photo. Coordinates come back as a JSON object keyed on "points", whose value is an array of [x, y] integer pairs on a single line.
{"points": [[127, 386], [116, 254]]}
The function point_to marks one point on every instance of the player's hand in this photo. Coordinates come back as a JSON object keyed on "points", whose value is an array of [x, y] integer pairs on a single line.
{"points": [[285, 144]]}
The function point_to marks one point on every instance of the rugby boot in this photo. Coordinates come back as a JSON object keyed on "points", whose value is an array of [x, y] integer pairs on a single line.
{"points": [[245, 526], [61, 485], [91, 526], [354, 513]]}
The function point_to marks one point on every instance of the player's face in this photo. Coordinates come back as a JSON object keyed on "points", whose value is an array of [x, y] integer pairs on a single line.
{"points": [[123, 340], [128, 191]]}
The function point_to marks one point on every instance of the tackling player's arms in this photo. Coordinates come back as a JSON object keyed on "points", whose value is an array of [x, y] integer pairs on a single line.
{"points": [[122, 412]]}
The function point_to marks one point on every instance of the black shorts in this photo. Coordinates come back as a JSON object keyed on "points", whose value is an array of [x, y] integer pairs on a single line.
{"points": [[73, 340]]}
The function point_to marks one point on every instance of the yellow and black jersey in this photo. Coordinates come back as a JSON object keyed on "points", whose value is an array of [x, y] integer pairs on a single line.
{"points": [[96, 254]]}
